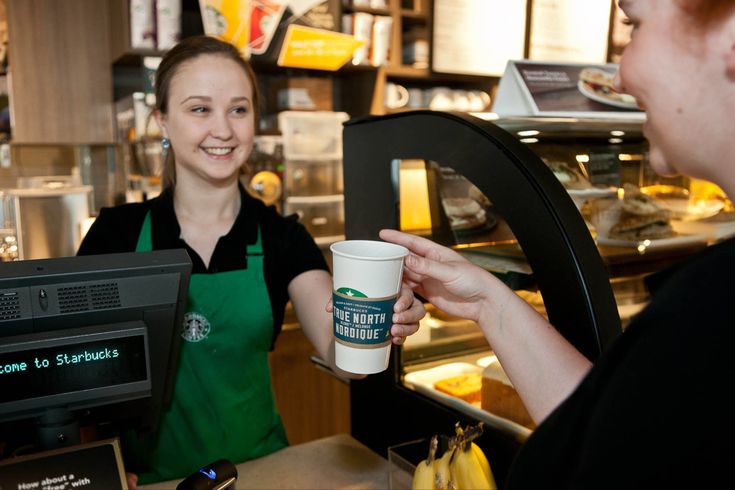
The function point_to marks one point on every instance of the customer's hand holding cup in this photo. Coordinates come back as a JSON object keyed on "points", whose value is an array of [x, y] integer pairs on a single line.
{"points": [[366, 283]]}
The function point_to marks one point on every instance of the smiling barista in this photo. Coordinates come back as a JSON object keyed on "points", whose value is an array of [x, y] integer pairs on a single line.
{"points": [[248, 262]]}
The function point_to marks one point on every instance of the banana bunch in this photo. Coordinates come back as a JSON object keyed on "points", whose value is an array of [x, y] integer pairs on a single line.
{"points": [[443, 471], [463, 466], [423, 476], [469, 465]]}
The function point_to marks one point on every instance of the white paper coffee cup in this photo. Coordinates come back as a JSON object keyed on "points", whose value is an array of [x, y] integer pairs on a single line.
{"points": [[366, 283]]}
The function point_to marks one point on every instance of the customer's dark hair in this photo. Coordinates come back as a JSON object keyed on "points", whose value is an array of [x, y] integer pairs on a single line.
{"points": [[186, 50], [704, 13]]}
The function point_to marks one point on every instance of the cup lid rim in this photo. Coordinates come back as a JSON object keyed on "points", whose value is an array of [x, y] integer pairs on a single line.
{"points": [[399, 250]]}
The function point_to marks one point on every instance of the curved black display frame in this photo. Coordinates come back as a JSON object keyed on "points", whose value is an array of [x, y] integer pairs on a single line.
{"points": [[566, 264]]}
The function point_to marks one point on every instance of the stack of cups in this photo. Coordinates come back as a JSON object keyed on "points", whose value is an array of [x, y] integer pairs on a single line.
{"points": [[366, 283]]}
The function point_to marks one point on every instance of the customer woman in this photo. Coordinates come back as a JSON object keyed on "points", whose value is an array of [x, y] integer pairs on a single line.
{"points": [[656, 409], [248, 261]]}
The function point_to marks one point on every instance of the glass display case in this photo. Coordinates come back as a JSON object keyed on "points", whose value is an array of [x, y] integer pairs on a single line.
{"points": [[565, 211]]}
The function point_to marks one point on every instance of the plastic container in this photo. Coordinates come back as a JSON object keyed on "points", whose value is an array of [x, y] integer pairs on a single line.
{"points": [[313, 177], [321, 215], [312, 135], [403, 459]]}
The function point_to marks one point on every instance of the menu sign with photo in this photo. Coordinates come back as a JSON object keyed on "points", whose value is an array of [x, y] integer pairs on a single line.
{"points": [[530, 88], [570, 30], [477, 37]]}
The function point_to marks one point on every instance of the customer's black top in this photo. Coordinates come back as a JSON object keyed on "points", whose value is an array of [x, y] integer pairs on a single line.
{"points": [[667, 381]]}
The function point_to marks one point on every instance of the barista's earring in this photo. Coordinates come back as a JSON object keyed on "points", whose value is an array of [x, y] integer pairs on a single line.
{"points": [[166, 143]]}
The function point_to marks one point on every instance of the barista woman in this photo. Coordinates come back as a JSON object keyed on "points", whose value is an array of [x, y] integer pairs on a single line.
{"points": [[656, 409], [248, 261]]}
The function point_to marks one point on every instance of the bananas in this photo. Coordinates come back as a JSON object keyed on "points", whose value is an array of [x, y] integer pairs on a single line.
{"points": [[463, 466], [484, 463], [423, 476], [442, 470], [468, 470]]}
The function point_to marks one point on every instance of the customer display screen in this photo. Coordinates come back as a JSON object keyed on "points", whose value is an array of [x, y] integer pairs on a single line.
{"points": [[72, 367]]}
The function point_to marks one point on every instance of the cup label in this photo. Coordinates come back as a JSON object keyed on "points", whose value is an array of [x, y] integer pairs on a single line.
{"points": [[362, 322]]}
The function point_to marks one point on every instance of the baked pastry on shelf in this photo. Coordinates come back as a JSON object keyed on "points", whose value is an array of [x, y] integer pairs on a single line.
{"points": [[570, 178], [464, 213], [501, 399], [464, 386], [641, 218]]}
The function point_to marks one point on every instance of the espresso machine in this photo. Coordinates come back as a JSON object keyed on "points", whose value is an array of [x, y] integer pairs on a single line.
{"points": [[43, 217]]}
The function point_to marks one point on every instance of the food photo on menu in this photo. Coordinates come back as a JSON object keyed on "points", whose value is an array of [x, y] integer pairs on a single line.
{"points": [[598, 84], [574, 88]]}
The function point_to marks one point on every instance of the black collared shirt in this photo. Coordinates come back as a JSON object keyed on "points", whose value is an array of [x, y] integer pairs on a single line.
{"points": [[655, 411], [288, 248]]}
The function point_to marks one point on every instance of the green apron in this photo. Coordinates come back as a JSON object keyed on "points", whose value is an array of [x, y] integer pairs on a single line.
{"points": [[223, 404]]}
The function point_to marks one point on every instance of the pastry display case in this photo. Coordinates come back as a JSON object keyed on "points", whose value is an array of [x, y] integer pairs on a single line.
{"points": [[565, 211]]}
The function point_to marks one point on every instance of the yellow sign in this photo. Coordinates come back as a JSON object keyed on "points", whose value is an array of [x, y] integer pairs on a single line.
{"points": [[307, 47]]}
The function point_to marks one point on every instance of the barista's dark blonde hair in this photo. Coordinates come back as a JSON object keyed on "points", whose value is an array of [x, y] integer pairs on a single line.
{"points": [[185, 51]]}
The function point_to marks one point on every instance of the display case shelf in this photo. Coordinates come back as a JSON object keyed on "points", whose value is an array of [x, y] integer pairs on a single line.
{"points": [[480, 152]]}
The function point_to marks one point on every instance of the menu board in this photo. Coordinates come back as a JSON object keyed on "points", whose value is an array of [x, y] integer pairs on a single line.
{"points": [[570, 30], [563, 89], [91, 466], [477, 37]]}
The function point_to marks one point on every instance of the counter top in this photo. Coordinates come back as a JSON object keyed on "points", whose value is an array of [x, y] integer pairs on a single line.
{"points": [[339, 462]]}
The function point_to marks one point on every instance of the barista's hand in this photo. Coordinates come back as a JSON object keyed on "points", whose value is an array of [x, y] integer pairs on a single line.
{"points": [[446, 279], [407, 312], [132, 479]]}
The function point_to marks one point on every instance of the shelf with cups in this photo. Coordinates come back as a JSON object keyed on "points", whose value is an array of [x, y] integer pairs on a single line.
{"points": [[357, 89], [444, 94]]}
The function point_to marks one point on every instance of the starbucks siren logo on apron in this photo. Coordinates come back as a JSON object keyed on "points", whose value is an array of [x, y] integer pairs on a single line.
{"points": [[223, 403], [196, 327]]}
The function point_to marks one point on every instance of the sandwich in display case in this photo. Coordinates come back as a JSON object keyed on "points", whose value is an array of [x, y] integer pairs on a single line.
{"points": [[565, 211]]}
